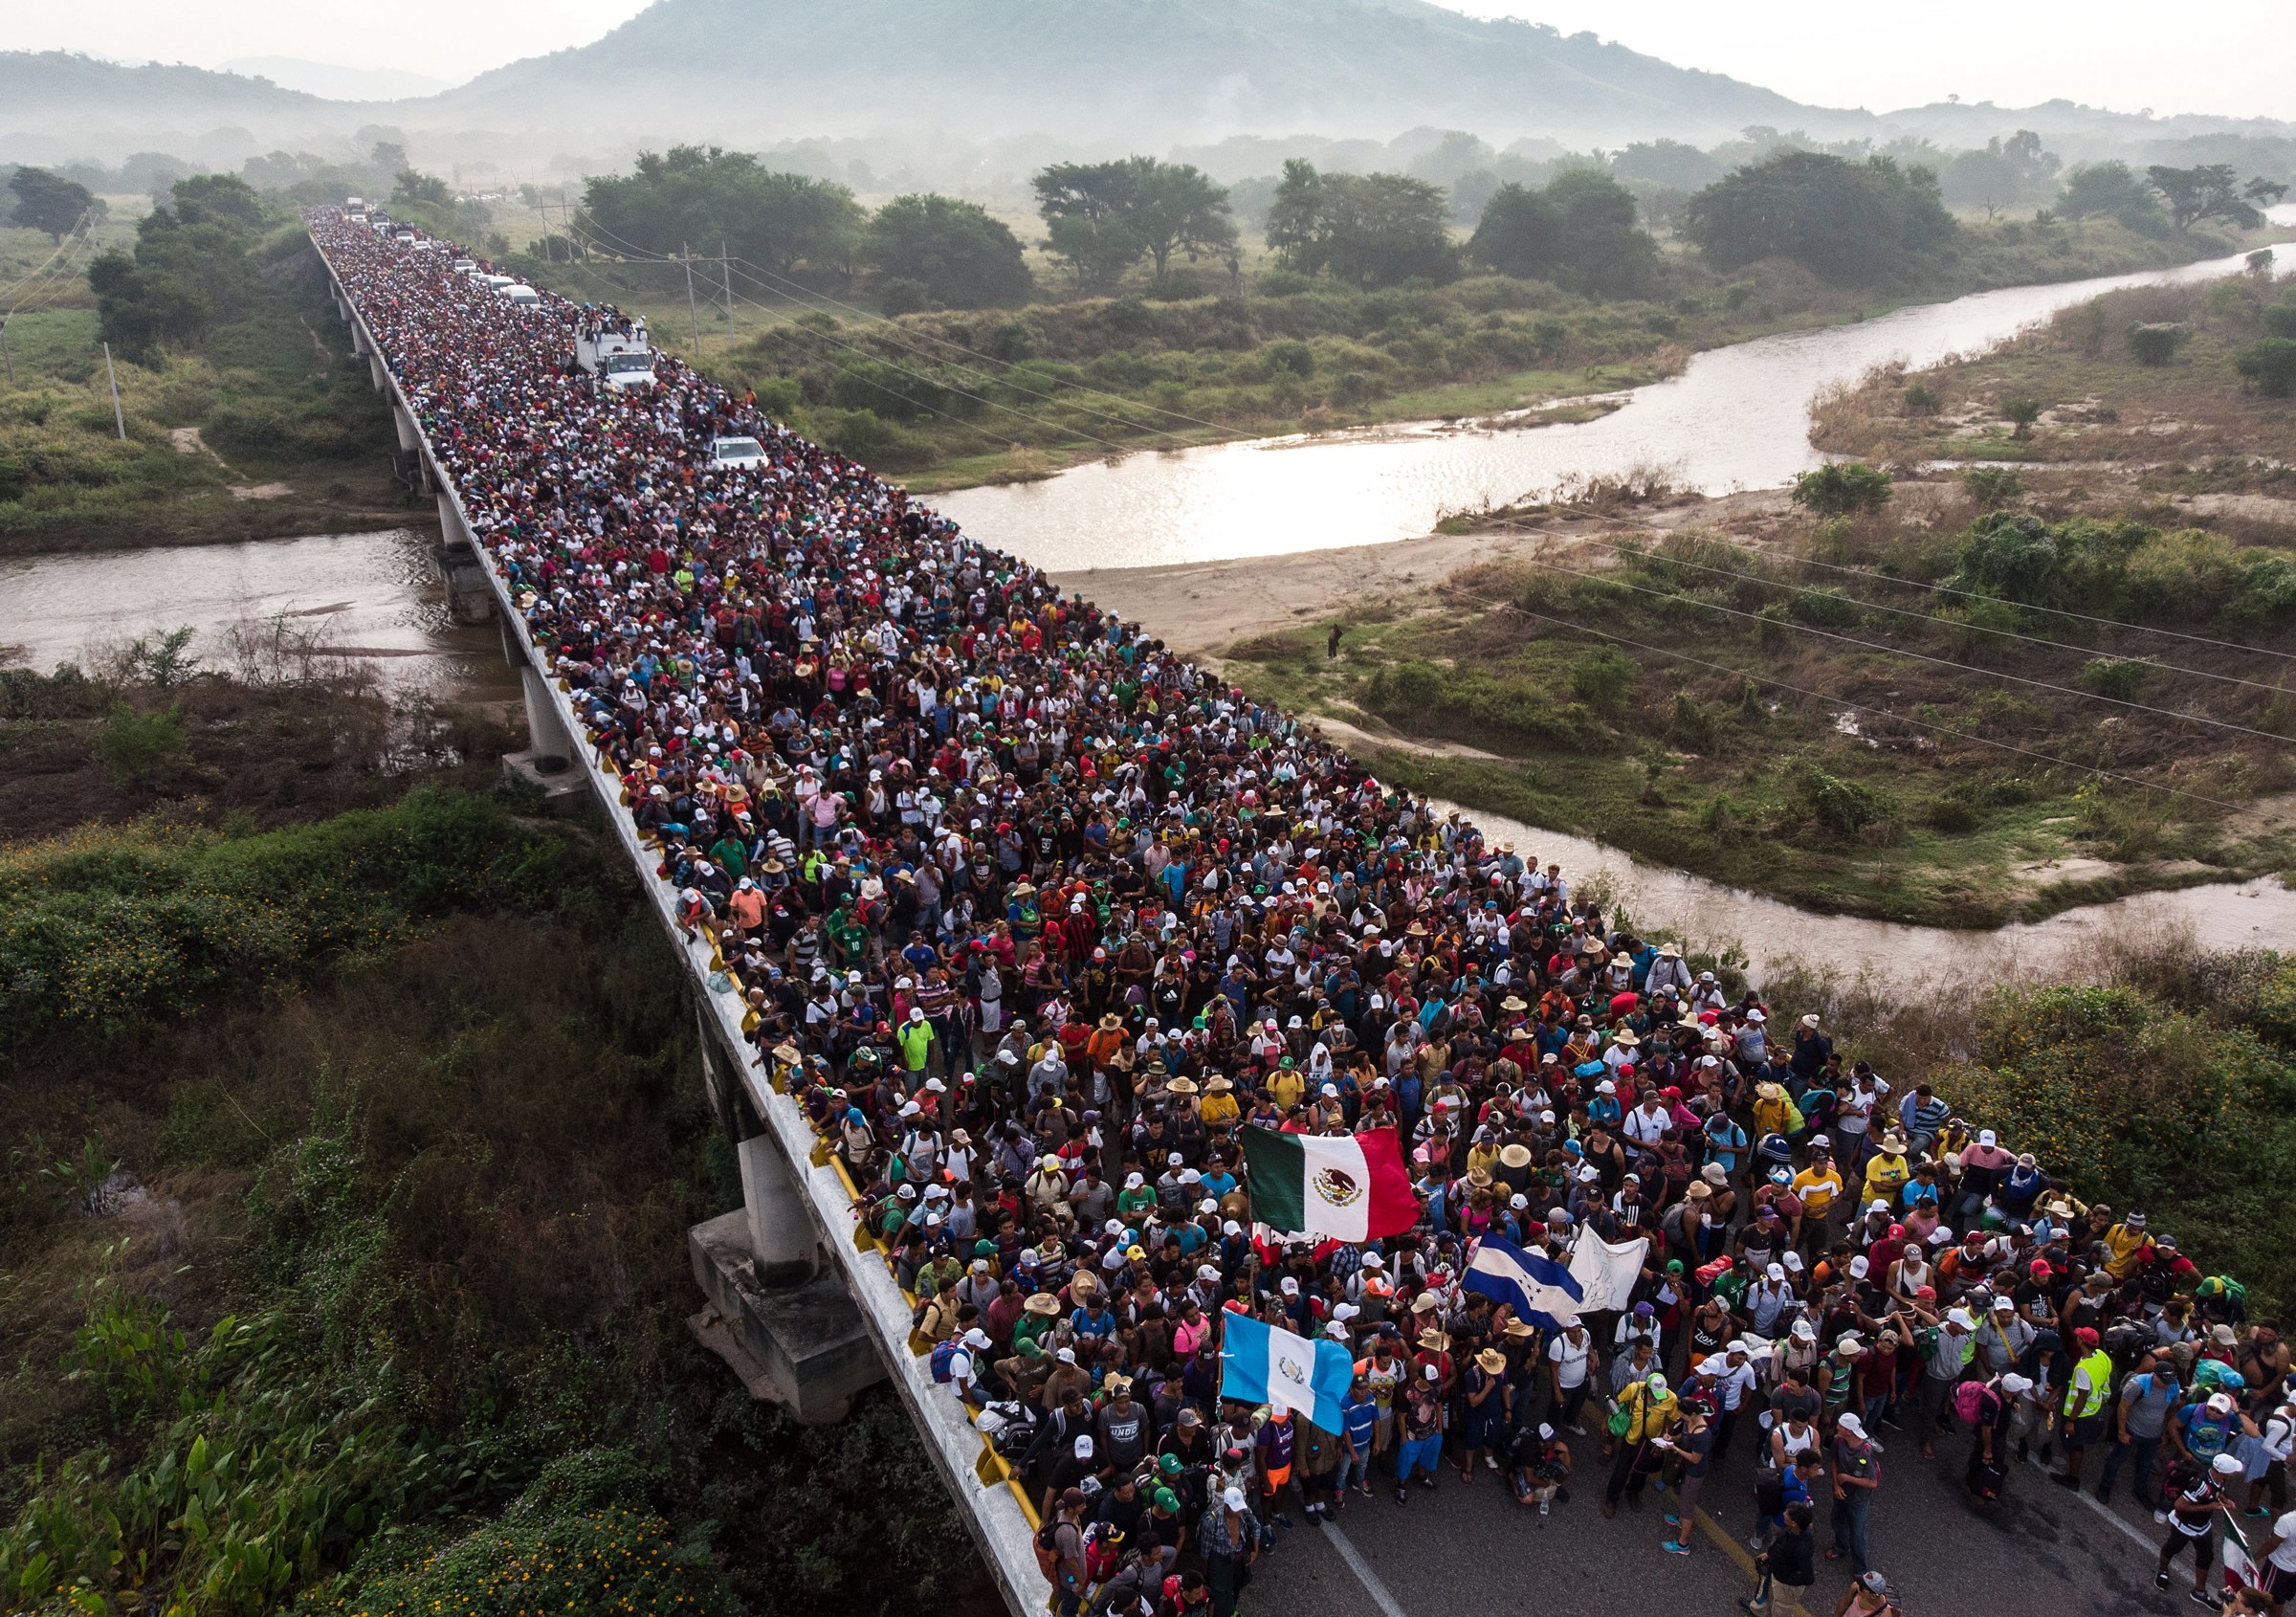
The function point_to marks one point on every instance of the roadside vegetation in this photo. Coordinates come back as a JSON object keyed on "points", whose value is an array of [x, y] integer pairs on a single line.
{"points": [[349, 1161], [247, 416], [1761, 693], [2185, 389], [1159, 309]]}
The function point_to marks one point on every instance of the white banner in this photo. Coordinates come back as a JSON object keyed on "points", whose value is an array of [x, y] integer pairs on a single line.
{"points": [[1606, 1270]]}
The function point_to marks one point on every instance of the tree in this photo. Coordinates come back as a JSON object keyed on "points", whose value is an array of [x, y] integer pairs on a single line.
{"points": [[189, 270], [49, 202], [2112, 190], [2022, 414], [954, 251], [1519, 234], [1666, 163], [692, 197], [2210, 192], [414, 188], [1176, 208], [1369, 229], [1089, 218], [1601, 249], [2004, 173], [1849, 222]]}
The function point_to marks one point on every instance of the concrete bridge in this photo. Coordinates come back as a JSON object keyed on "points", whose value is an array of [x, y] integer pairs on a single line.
{"points": [[807, 1313]]}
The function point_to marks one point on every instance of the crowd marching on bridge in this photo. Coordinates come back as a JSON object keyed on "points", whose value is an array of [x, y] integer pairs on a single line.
{"points": [[1077, 958]]}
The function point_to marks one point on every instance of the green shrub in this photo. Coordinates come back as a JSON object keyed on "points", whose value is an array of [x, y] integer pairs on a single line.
{"points": [[1842, 489], [2271, 365], [107, 927], [590, 1561], [1823, 608], [1601, 677], [1842, 806], [145, 748], [2156, 343], [1920, 399], [2121, 678], [1952, 813], [1992, 486]]}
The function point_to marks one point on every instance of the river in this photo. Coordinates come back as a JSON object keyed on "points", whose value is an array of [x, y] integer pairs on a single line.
{"points": [[1737, 417], [374, 599]]}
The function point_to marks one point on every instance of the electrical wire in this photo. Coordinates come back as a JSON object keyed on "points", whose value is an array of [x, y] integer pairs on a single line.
{"points": [[822, 297], [1662, 557], [59, 282], [1855, 707], [1872, 577], [858, 351], [1919, 656], [66, 244]]}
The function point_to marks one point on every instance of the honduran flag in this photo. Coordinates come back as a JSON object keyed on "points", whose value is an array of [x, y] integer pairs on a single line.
{"points": [[1350, 1186], [1540, 1290], [1264, 1363]]}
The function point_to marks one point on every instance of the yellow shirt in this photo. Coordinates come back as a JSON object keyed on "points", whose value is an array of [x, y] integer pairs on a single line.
{"points": [[1287, 1085], [1884, 1174], [1219, 1110], [1817, 1191]]}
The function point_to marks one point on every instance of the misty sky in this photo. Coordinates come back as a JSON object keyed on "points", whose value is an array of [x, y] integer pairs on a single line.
{"points": [[2200, 56]]}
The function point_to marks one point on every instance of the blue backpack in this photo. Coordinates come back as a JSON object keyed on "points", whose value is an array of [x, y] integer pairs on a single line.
{"points": [[943, 1354]]}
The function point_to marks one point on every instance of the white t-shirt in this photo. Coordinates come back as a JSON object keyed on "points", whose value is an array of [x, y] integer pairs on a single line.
{"points": [[1569, 1359], [2283, 1543]]}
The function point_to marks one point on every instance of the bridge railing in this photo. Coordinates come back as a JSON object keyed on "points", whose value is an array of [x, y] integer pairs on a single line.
{"points": [[995, 1505]]}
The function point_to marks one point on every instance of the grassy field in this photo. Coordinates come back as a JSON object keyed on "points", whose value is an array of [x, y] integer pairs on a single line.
{"points": [[266, 427], [2176, 426], [948, 399], [1677, 680]]}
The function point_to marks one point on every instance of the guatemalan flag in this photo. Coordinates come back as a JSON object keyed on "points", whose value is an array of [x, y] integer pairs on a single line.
{"points": [[1263, 1363], [1349, 1186], [1540, 1290]]}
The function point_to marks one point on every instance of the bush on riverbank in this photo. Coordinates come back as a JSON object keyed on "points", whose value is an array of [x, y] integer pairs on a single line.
{"points": [[382, 1281]]}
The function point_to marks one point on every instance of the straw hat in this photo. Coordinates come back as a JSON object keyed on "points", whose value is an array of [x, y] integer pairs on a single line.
{"points": [[1492, 1360], [1213, 1085], [1521, 1331], [1515, 1155], [1434, 1342], [1043, 1302], [1181, 1086], [1479, 1178]]}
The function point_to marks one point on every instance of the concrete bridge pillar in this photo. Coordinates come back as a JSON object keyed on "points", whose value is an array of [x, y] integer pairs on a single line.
{"points": [[777, 1313], [374, 365], [409, 438]]}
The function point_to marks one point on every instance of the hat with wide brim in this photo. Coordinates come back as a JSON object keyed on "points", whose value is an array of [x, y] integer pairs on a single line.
{"points": [[1515, 1155], [1043, 1302], [1492, 1359], [1434, 1342]]}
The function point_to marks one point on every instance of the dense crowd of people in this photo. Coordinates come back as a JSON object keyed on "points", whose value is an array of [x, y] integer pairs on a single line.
{"points": [[1033, 917]]}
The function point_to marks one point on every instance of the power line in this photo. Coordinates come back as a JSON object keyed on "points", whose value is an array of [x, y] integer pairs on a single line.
{"points": [[1919, 656], [1856, 707], [1664, 559], [1005, 380], [66, 243]]}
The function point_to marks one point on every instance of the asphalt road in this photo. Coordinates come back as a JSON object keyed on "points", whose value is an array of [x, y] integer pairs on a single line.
{"points": [[2037, 1551]]}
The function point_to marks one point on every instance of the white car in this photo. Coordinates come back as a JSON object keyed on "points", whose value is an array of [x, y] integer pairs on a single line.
{"points": [[728, 455], [464, 266], [407, 236]]}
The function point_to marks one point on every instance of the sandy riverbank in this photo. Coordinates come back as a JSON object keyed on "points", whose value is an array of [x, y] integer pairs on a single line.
{"points": [[1203, 607]]}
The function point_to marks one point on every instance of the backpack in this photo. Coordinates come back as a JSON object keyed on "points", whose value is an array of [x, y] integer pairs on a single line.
{"points": [[943, 1353], [1047, 1551], [1969, 1402]]}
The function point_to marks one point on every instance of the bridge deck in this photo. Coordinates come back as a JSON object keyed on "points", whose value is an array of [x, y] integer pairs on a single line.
{"points": [[996, 1508]]}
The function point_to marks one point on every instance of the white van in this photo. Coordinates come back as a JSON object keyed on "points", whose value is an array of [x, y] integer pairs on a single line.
{"points": [[519, 293], [736, 454]]}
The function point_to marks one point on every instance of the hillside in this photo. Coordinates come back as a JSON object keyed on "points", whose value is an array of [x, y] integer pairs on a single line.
{"points": [[56, 105], [1179, 68]]}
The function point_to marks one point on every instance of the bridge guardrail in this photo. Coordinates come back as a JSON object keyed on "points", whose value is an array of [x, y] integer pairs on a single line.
{"points": [[995, 1504]]}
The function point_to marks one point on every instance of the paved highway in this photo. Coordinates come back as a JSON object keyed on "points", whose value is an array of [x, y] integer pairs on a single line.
{"points": [[2040, 1552]]}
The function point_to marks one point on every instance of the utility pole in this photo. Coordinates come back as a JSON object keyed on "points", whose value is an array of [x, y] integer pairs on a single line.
{"points": [[692, 309], [10, 358], [725, 268], [118, 419]]}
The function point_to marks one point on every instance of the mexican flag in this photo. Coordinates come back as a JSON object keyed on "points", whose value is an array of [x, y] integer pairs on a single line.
{"points": [[1350, 1186]]}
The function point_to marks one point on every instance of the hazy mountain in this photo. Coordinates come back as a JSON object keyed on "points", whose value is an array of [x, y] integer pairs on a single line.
{"points": [[1141, 69], [336, 82]]}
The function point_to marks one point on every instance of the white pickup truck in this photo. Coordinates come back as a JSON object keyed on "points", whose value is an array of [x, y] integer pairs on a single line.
{"points": [[617, 360]]}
